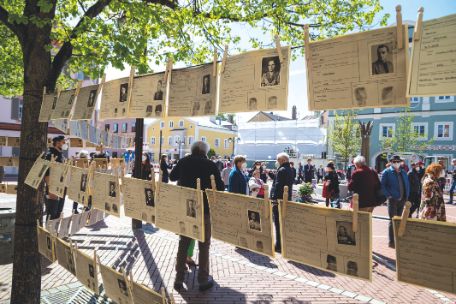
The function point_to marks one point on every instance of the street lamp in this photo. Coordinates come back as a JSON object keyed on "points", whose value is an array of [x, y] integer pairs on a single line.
{"points": [[234, 140], [179, 142]]}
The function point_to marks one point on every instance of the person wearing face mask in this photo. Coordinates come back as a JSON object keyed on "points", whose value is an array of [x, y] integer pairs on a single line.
{"points": [[396, 188], [238, 180], [432, 204], [146, 167], [54, 204], [415, 188], [284, 177]]}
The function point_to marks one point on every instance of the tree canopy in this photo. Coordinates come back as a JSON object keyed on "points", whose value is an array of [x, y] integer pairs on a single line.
{"points": [[87, 35], [344, 135]]}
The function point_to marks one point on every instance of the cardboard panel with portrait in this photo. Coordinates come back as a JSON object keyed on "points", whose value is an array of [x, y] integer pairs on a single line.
{"points": [[193, 91], [47, 107], [242, 220], [86, 270], [139, 199], [115, 98], [77, 187], [52, 226], [180, 210], [116, 285], [432, 70], [64, 104], [64, 227], [255, 81], [60, 124], [58, 174], [144, 295], [362, 70], [425, 254], [64, 255], [106, 193], [323, 237], [37, 172], [148, 96], [86, 102], [45, 243], [9, 161]]}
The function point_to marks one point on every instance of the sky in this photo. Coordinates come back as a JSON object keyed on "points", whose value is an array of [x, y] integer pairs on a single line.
{"points": [[297, 88]]}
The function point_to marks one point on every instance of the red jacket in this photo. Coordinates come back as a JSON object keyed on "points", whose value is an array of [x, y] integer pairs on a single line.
{"points": [[365, 183]]}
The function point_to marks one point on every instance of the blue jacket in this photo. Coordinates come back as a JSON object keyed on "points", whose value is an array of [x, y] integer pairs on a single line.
{"points": [[390, 183], [237, 182]]}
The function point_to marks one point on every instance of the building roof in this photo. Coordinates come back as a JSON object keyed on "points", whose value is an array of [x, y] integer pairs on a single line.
{"points": [[17, 127], [269, 116], [206, 122]]}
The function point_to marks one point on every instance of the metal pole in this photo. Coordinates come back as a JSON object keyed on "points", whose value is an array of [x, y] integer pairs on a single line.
{"points": [[160, 149], [139, 133]]}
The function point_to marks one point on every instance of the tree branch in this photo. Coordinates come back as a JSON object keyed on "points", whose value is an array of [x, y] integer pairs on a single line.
{"points": [[15, 28]]}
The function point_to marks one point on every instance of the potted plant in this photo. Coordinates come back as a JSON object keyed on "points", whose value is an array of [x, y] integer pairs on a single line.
{"points": [[305, 192]]}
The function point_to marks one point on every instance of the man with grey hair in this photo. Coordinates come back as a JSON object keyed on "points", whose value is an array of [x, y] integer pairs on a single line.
{"points": [[186, 172], [364, 181], [283, 177]]}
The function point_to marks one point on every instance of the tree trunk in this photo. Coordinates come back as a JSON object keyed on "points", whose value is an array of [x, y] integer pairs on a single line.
{"points": [[26, 285]]}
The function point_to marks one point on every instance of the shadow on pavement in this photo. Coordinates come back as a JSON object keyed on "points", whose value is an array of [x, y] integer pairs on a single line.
{"points": [[256, 258], [193, 295], [312, 270]]}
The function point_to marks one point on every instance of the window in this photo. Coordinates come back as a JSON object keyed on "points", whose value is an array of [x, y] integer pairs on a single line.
{"points": [[133, 127], [170, 140], [386, 130], [190, 140], [162, 125], [443, 131], [443, 99], [217, 142], [171, 124], [203, 138], [421, 130], [124, 127], [226, 144], [152, 141], [181, 123], [107, 127], [115, 128], [415, 99]]}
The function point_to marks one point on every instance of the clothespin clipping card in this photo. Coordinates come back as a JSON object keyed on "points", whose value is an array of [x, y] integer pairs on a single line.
{"points": [[279, 48], [355, 207], [130, 84], [418, 25], [163, 295], [169, 68], [214, 67], [284, 201], [214, 187], [266, 194], [78, 88], [306, 41], [399, 35], [225, 56], [404, 217]]}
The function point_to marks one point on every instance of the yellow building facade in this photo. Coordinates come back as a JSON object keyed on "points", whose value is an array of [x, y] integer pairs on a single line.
{"points": [[179, 133]]}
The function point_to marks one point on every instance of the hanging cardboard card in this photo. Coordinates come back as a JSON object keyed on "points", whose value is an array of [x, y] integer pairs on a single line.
{"points": [[83, 219], [53, 226], [323, 237], [9, 161], [13, 141], [144, 295], [58, 173], [84, 128], [64, 255], [36, 173], [86, 102], [48, 105], [242, 220], [148, 96], [432, 70], [76, 143], [362, 70], [193, 92], [64, 228], [64, 104], [76, 223], [180, 210], [106, 193], [93, 134], [60, 124], [114, 100], [425, 254], [255, 81], [45, 243], [86, 270], [115, 285], [77, 187], [139, 199]]}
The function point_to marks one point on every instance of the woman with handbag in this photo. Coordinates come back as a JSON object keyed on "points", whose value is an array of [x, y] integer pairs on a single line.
{"points": [[330, 184]]}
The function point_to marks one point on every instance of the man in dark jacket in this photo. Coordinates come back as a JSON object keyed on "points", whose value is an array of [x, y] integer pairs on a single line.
{"points": [[365, 183], [309, 171], [284, 177], [415, 188], [186, 172]]}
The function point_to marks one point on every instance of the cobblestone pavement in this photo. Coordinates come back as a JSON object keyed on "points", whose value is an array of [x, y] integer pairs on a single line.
{"points": [[241, 276]]}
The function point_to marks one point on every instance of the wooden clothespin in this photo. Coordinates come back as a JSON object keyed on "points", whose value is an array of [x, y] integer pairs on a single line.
{"points": [[307, 41], [279, 48], [355, 207], [404, 217], [198, 187], [214, 67], [225, 56], [127, 281], [78, 89], [284, 201], [214, 187], [103, 80], [266, 193], [171, 299], [169, 68], [163, 295], [418, 25], [157, 184], [399, 28], [130, 84]]}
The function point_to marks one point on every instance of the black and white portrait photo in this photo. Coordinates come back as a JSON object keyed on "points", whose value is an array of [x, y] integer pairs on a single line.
{"points": [[83, 183], [259, 245], [387, 95], [114, 208], [254, 220], [42, 171], [158, 110], [206, 84], [112, 189], [91, 271], [123, 92], [352, 268], [195, 108], [49, 243], [91, 100], [107, 207], [149, 109], [149, 196], [382, 59], [54, 102], [272, 102], [158, 95], [144, 216], [70, 101], [191, 208], [122, 287], [252, 103], [208, 107], [195, 230], [331, 262], [345, 234], [270, 72], [360, 95], [181, 227]]}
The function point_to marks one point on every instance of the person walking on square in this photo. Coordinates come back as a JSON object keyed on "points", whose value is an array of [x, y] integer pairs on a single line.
{"points": [[415, 188], [300, 173], [309, 171], [186, 173], [331, 189], [284, 177], [238, 180], [432, 205], [226, 175], [364, 181], [396, 188], [320, 173], [453, 180], [164, 166]]}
